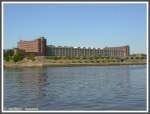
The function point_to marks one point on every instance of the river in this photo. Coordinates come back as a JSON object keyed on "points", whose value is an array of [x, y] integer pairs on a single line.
{"points": [[95, 88]]}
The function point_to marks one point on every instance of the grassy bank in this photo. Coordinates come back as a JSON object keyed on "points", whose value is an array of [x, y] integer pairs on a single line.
{"points": [[62, 61]]}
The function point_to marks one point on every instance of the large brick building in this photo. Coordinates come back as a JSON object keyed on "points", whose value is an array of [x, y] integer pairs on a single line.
{"points": [[40, 48], [36, 47]]}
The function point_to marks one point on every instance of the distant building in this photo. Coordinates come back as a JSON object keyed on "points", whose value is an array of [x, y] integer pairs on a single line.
{"points": [[38, 47], [121, 51]]}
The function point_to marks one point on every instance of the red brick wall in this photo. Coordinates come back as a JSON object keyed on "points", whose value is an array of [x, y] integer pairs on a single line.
{"points": [[125, 49], [36, 47]]}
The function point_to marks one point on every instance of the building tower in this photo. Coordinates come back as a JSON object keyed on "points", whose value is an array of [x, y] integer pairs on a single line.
{"points": [[36, 47]]}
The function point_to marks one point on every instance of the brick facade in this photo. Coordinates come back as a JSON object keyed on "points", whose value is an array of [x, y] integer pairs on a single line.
{"points": [[38, 47]]}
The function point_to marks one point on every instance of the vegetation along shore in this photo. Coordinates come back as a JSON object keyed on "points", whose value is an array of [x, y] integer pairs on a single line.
{"points": [[18, 60]]}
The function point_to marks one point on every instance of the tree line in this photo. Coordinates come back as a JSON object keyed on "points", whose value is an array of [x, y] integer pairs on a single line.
{"points": [[9, 55]]}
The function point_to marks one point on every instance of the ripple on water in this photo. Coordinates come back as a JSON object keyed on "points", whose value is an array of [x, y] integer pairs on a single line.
{"points": [[77, 88]]}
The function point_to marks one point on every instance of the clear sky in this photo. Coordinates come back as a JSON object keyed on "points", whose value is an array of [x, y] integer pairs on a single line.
{"points": [[85, 25]]}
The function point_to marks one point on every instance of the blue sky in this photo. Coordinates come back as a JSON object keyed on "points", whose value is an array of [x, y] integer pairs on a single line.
{"points": [[85, 25]]}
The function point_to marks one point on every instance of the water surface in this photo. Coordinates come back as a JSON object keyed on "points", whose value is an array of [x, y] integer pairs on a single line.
{"points": [[76, 88]]}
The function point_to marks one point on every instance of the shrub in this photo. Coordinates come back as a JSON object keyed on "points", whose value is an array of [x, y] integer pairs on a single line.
{"points": [[18, 57], [84, 57], [143, 57], [47, 57], [91, 58], [121, 60], [65, 57], [80, 61], [92, 61], [68, 57], [97, 61], [55, 58], [136, 57], [131, 58], [77, 57], [6, 58], [86, 61], [31, 57], [97, 57]]}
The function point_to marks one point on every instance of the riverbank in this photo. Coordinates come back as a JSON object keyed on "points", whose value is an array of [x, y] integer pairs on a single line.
{"points": [[43, 64], [53, 61]]}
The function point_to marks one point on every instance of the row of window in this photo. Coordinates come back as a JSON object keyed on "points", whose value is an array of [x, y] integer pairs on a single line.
{"points": [[51, 51]]}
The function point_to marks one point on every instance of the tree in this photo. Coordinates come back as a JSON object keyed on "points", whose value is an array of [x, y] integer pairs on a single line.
{"points": [[6, 58], [18, 56], [8, 54]]}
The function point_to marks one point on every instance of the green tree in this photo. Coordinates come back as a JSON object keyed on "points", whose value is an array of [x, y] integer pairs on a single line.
{"points": [[6, 58], [8, 54], [18, 56]]}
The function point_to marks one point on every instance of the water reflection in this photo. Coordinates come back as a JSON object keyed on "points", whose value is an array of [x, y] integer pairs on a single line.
{"points": [[77, 88]]}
